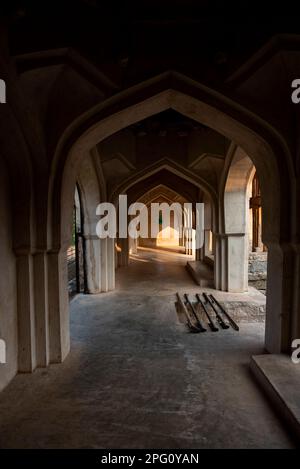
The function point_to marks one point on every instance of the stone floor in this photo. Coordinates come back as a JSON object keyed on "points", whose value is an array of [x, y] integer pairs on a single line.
{"points": [[135, 378]]}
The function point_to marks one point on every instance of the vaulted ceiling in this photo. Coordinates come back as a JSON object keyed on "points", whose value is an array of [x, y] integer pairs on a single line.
{"points": [[169, 135]]}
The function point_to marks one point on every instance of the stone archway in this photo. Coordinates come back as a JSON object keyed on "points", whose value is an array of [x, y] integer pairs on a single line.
{"points": [[208, 107], [90, 197], [21, 162], [172, 175], [232, 243], [99, 255], [148, 191]]}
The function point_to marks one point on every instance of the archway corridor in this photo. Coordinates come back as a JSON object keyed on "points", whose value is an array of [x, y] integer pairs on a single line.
{"points": [[148, 151], [136, 378]]}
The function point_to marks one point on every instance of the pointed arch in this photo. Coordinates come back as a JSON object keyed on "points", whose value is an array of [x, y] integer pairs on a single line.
{"points": [[265, 146]]}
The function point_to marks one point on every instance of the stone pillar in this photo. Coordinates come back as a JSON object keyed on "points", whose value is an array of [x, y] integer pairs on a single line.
{"points": [[213, 243], [59, 328], [237, 262], [107, 264], [234, 210], [282, 309], [103, 264], [208, 217], [199, 254], [188, 240], [116, 255], [26, 318], [111, 263], [123, 254], [220, 265], [132, 245], [191, 240], [260, 243], [206, 242], [93, 263], [41, 308], [231, 262]]}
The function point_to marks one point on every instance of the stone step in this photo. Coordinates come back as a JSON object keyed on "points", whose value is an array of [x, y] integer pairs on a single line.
{"points": [[243, 307], [280, 379]]}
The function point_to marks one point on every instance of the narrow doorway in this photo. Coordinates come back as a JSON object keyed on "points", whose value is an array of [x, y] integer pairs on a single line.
{"points": [[76, 251]]}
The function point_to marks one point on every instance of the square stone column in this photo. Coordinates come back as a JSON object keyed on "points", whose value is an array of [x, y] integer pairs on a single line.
{"points": [[59, 322], [111, 263], [41, 308], [26, 316], [93, 263], [231, 262], [104, 271]]}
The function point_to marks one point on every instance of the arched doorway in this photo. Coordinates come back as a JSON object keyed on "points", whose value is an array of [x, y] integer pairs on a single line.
{"points": [[161, 183], [76, 252], [207, 107]]}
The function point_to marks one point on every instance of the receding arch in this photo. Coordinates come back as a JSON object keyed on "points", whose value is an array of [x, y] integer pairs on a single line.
{"points": [[160, 189], [171, 90], [194, 191], [161, 192], [88, 183], [233, 243], [259, 140], [235, 192], [172, 168]]}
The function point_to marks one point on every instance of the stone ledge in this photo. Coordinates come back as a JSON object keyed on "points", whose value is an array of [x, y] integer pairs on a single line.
{"points": [[280, 379], [201, 273], [245, 311], [248, 306]]}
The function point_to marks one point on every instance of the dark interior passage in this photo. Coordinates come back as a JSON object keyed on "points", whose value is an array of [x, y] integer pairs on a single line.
{"points": [[171, 104]]}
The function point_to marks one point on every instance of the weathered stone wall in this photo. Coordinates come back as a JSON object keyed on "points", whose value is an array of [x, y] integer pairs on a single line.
{"points": [[8, 287], [257, 271]]}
